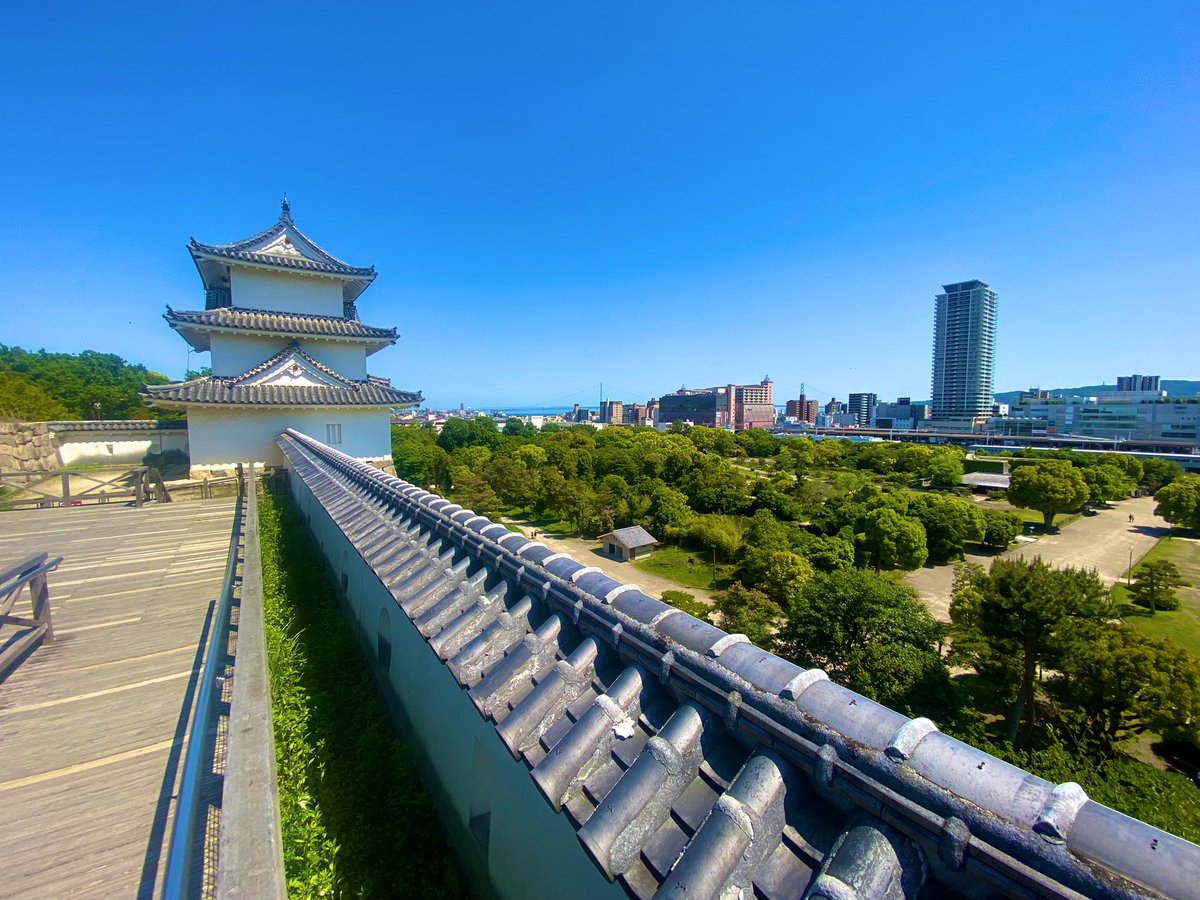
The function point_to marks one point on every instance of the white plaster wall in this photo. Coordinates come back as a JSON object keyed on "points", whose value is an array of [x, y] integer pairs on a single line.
{"points": [[444, 729], [285, 292], [233, 354], [348, 360], [220, 438], [90, 448]]}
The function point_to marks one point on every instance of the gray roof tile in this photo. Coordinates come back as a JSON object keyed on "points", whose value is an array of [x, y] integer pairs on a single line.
{"points": [[235, 391], [272, 322], [630, 538], [686, 774]]}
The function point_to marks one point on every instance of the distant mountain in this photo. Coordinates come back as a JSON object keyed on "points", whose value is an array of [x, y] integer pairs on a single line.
{"points": [[1176, 388]]}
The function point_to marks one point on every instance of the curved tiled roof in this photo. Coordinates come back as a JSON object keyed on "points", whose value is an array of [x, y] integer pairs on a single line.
{"points": [[118, 425], [211, 259], [285, 262], [240, 390], [225, 392], [261, 320], [693, 764]]}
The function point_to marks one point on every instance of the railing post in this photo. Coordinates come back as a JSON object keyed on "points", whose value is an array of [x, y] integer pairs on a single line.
{"points": [[39, 592], [66, 489], [137, 491]]}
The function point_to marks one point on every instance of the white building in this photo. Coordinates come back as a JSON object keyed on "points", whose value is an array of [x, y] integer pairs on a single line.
{"points": [[964, 345], [281, 322]]}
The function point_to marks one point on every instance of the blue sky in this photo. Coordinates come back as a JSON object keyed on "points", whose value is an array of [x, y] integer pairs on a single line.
{"points": [[646, 195]]}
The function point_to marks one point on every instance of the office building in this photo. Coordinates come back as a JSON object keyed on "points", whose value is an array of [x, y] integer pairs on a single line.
{"points": [[802, 410], [903, 415], [612, 412], [1127, 384], [862, 407], [964, 339], [733, 406]]}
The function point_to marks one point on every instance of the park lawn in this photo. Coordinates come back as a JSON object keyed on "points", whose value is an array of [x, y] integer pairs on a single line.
{"points": [[526, 524], [1031, 516], [1182, 625], [686, 568]]}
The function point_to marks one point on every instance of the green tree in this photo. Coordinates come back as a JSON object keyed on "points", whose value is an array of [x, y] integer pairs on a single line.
{"points": [[1157, 473], [950, 523], [1000, 528], [749, 612], [713, 440], [893, 541], [519, 428], [767, 533], [757, 442], [828, 553], [418, 458], [688, 603], [873, 636], [1108, 482], [1119, 682], [668, 509], [1154, 585], [27, 402], [714, 485], [945, 470], [779, 573], [88, 384], [1052, 487], [477, 432], [1179, 502], [775, 495], [1132, 467], [1019, 616]]}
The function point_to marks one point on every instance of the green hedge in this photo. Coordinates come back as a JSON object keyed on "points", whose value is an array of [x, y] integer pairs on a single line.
{"points": [[356, 821], [993, 466]]}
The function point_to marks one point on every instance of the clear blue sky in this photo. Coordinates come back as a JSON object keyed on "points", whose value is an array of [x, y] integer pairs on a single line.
{"points": [[642, 194]]}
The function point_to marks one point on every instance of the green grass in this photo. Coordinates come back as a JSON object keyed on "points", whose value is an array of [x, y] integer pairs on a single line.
{"points": [[686, 568], [1183, 624], [1032, 516], [355, 820]]}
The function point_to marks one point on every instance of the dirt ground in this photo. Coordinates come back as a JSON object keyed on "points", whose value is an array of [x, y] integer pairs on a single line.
{"points": [[1104, 542]]}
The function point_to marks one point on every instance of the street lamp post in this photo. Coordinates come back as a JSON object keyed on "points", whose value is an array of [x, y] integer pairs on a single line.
{"points": [[713, 547], [1129, 571]]}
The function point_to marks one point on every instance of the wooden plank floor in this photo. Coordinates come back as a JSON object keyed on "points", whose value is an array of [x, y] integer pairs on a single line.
{"points": [[92, 724]]}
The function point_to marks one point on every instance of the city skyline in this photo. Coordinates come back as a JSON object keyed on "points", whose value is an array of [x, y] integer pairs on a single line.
{"points": [[634, 196]]}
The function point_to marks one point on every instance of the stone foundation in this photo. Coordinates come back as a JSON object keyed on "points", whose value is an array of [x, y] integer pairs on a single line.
{"points": [[26, 447]]}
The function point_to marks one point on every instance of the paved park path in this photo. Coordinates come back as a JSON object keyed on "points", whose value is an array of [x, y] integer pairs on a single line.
{"points": [[588, 553], [1103, 542]]}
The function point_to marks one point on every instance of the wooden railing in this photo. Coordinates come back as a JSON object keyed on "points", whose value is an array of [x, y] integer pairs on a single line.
{"points": [[61, 487], [28, 632], [248, 853]]}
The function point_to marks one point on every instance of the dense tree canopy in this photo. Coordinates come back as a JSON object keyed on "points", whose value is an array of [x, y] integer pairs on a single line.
{"points": [[1119, 682], [871, 635], [22, 400], [86, 385]]}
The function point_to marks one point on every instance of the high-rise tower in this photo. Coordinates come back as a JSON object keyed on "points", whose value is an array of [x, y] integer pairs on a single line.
{"points": [[964, 359]]}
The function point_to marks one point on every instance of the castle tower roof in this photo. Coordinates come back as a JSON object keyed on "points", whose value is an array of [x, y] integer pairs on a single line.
{"points": [[282, 246]]}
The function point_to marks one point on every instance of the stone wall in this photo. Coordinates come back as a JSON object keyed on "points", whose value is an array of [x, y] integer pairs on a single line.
{"points": [[26, 447]]}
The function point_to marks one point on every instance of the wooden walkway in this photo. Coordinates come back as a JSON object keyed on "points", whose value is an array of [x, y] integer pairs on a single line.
{"points": [[92, 725]]}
